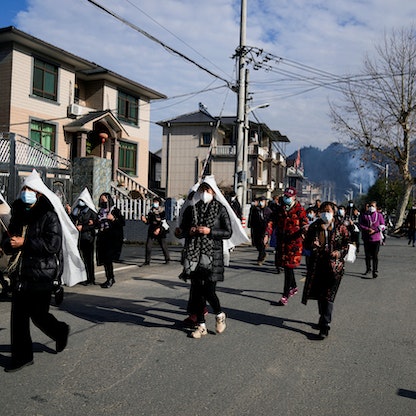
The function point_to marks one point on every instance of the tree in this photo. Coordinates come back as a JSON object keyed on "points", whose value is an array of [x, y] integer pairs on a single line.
{"points": [[385, 196], [378, 112]]}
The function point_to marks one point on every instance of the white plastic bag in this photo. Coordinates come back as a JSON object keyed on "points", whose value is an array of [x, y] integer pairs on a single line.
{"points": [[351, 256], [165, 225]]}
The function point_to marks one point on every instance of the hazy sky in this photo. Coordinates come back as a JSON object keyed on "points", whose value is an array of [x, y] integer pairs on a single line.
{"points": [[309, 44]]}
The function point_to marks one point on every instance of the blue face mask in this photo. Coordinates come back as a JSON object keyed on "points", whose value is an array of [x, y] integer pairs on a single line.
{"points": [[287, 200], [28, 197]]}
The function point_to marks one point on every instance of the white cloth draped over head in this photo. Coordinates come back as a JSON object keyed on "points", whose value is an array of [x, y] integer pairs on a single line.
{"points": [[86, 197], [239, 236], [74, 268], [4, 213]]}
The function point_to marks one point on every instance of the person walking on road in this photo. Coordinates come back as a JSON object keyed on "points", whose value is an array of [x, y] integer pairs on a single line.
{"points": [[327, 240], [353, 216], [39, 229], [84, 215], [258, 222], [110, 222], [291, 223], [411, 226], [157, 231], [204, 226], [235, 205], [372, 226]]}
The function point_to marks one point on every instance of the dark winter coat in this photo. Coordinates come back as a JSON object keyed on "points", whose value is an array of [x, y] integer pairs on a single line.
{"points": [[258, 221], [290, 228], [220, 231], [154, 221], [109, 240], [41, 258], [88, 219], [326, 263]]}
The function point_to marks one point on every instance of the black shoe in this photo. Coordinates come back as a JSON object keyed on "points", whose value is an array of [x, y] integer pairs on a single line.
{"points": [[367, 272], [17, 366], [146, 263], [323, 333], [167, 261], [375, 274], [62, 342], [108, 284]]}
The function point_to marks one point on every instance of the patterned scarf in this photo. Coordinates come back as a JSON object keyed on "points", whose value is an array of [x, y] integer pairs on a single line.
{"points": [[198, 246]]}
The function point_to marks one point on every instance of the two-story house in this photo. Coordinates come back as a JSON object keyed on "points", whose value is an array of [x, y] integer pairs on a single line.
{"points": [[198, 144], [73, 107]]}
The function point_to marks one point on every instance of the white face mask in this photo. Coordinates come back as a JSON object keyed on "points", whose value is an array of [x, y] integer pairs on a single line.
{"points": [[372, 209], [326, 217], [206, 197], [341, 212]]}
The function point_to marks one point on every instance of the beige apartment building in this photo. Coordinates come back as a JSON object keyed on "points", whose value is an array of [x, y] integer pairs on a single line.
{"points": [[73, 107], [197, 144]]}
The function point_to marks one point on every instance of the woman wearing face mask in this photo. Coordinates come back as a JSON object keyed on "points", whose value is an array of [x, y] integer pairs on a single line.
{"points": [[37, 233], [156, 232], [110, 227], [84, 215], [290, 222], [205, 225], [327, 240], [372, 225]]}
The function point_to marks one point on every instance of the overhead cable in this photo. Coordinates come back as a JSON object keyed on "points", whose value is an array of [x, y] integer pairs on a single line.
{"points": [[164, 45]]}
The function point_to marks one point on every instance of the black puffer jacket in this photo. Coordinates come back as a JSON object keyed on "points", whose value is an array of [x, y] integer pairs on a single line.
{"points": [[220, 231], [42, 259]]}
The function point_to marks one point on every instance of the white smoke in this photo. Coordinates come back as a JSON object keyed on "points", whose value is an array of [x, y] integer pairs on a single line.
{"points": [[362, 176]]}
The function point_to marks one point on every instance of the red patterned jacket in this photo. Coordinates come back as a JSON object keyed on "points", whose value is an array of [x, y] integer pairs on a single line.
{"points": [[290, 228]]}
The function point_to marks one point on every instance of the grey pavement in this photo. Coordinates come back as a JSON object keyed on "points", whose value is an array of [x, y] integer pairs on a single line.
{"points": [[129, 355]]}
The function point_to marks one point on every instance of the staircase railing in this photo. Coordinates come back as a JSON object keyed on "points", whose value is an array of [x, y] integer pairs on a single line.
{"points": [[132, 198], [29, 152]]}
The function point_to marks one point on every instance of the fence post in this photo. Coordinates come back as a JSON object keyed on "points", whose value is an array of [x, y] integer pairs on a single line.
{"points": [[11, 189]]}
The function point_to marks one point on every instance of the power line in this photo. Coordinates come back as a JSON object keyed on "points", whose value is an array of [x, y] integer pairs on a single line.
{"points": [[164, 45], [174, 35]]}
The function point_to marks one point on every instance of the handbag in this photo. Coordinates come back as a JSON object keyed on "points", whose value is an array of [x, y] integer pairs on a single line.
{"points": [[351, 256], [15, 260]]}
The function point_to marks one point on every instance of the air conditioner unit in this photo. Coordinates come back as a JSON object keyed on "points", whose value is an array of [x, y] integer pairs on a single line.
{"points": [[76, 110]]}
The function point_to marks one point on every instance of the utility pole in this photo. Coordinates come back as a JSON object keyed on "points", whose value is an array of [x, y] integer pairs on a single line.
{"points": [[244, 179], [240, 174]]}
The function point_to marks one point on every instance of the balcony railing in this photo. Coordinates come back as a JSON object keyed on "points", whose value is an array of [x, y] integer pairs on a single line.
{"points": [[223, 151]]}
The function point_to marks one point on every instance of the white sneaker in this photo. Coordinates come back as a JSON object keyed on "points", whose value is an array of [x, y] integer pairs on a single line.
{"points": [[220, 323], [200, 331]]}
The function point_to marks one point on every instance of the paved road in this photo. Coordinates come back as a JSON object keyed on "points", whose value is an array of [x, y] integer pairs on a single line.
{"points": [[128, 355]]}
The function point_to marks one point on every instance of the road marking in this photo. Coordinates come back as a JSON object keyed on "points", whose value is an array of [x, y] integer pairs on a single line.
{"points": [[116, 269]]}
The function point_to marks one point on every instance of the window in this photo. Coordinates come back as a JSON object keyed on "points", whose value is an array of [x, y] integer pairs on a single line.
{"points": [[43, 133], [259, 169], [128, 108], [45, 80], [206, 139], [127, 157], [207, 170]]}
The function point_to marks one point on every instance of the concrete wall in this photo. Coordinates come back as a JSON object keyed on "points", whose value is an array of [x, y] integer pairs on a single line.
{"points": [[91, 172], [135, 231]]}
